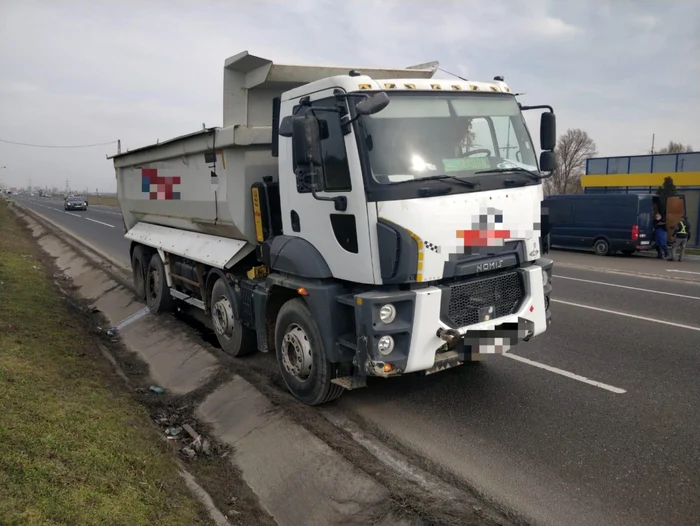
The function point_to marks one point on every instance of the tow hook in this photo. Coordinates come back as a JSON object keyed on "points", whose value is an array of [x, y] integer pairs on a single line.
{"points": [[451, 336]]}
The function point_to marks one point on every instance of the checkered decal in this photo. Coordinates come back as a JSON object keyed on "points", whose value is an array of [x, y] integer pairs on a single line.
{"points": [[432, 247], [159, 187]]}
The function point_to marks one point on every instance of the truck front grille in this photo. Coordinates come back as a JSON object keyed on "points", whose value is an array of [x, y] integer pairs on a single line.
{"points": [[469, 300]]}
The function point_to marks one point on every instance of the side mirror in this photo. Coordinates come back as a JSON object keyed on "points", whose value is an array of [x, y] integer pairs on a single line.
{"points": [[548, 131], [373, 104], [547, 161], [306, 141]]}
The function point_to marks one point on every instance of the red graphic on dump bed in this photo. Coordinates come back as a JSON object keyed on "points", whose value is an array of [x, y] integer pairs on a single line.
{"points": [[157, 186]]}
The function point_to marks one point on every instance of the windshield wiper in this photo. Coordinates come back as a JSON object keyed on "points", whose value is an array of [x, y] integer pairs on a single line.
{"points": [[517, 169], [442, 177]]}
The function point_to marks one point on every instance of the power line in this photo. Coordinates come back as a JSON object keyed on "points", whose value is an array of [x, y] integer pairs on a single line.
{"points": [[55, 146]]}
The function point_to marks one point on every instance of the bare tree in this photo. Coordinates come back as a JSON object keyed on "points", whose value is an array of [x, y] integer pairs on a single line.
{"points": [[573, 148], [675, 147]]}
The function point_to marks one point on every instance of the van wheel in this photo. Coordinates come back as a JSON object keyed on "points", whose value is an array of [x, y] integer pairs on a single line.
{"points": [[158, 296], [235, 338], [601, 247], [301, 357], [138, 271]]}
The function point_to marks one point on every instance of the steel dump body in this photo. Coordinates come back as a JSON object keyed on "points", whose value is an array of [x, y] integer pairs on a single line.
{"points": [[179, 183]]}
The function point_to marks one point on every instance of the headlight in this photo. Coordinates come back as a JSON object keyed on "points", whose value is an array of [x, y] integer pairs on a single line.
{"points": [[387, 313], [385, 345]]}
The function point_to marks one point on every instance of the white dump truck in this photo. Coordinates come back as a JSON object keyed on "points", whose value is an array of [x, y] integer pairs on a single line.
{"points": [[371, 222]]}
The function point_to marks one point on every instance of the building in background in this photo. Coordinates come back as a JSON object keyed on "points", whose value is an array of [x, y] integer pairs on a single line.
{"points": [[644, 174]]}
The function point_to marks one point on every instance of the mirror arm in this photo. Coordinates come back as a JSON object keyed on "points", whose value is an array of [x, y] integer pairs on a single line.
{"points": [[340, 201], [541, 107]]}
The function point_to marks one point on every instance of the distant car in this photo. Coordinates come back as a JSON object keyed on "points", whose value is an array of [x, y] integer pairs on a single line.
{"points": [[75, 203]]}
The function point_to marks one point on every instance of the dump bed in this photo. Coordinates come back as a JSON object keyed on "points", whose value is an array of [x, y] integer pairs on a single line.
{"points": [[201, 181]]}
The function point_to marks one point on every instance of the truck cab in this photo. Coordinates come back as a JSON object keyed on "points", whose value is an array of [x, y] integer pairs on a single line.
{"points": [[384, 222]]}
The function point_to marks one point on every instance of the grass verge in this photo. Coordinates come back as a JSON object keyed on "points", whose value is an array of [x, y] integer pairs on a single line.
{"points": [[75, 448]]}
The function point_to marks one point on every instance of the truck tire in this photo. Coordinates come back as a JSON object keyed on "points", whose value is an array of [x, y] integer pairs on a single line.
{"points": [[158, 296], [235, 338], [138, 271], [601, 247], [301, 357]]}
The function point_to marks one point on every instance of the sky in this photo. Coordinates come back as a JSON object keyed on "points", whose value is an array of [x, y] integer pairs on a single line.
{"points": [[79, 73]]}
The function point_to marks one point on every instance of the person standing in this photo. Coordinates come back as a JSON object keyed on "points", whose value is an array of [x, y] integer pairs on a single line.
{"points": [[681, 234], [660, 237]]}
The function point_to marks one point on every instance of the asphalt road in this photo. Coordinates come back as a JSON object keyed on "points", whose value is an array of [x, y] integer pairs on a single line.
{"points": [[595, 422], [100, 226]]}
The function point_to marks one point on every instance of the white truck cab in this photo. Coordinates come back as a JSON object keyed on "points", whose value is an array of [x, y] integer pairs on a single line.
{"points": [[358, 223]]}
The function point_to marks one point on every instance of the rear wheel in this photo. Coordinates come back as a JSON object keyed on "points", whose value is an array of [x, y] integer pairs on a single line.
{"points": [[158, 296], [138, 271], [301, 357], [235, 338], [601, 247]]}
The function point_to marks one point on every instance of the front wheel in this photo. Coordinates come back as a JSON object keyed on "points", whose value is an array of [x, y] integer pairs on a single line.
{"points": [[235, 338], [601, 247], [301, 357]]}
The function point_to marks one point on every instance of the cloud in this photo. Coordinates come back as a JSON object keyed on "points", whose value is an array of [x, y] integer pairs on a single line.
{"points": [[79, 72]]}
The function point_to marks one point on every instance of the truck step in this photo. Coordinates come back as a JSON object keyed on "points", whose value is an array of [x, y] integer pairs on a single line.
{"points": [[346, 299], [350, 382]]}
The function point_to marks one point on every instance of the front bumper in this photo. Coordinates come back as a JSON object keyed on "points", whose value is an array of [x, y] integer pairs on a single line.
{"points": [[426, 337]]}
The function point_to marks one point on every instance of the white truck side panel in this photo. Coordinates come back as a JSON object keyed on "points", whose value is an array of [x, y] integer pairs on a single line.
{"points": [[215, 251]]}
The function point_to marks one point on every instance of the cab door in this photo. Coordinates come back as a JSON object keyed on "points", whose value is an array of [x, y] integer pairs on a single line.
{"points": [[341, 236]]}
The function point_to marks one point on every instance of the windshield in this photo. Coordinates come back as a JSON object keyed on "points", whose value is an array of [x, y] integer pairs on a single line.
{"points": [[75, 199], [459, 134]]}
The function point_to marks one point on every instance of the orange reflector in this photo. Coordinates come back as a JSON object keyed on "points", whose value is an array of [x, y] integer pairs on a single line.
{"points": [[388, 367], [302, 291]]}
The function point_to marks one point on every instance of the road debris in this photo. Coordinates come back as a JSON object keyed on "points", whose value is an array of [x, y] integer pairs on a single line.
{"points": [[156, 389], [189, 452], [173, 431]]}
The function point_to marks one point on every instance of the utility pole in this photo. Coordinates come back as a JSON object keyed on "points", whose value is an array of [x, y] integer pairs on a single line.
{"points": [[653, 137]]}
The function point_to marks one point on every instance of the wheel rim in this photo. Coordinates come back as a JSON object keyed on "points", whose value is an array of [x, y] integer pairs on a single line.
{"points": [[600, 248], [222, 317], [297, 358]]}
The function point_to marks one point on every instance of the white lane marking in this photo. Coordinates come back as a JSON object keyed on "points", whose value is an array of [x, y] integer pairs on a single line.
{"points": [[100, 222], [72, 214], [562, 372], [628, 287], [683, 271], [626, 314]]}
